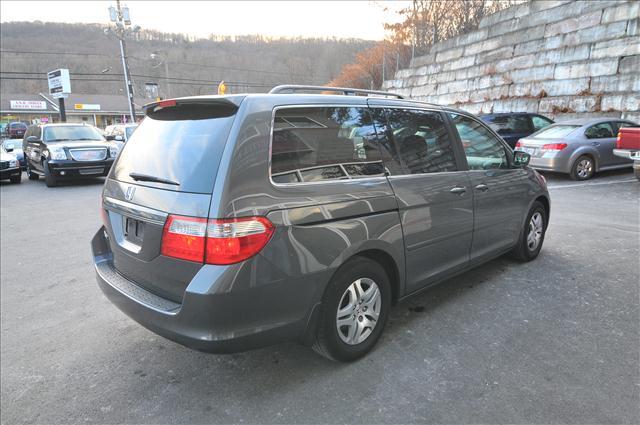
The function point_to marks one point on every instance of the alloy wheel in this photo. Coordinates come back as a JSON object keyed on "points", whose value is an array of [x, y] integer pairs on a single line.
{"points": [[534, 236], [358, 311], [584, 168]]}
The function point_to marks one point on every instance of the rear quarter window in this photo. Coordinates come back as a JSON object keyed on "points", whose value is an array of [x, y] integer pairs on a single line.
{"points": [[312, 144]]}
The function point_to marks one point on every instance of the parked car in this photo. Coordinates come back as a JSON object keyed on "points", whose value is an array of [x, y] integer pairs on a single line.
{"points": [[119, 133], [16, 130], [62, 151], [579, 147], [9, 166], [239, 221], [14, 146], [512, 126], [628, 147]]}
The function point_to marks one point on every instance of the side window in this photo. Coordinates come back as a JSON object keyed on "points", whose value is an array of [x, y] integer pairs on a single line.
{"points": [[482, 149], [539, 122], [599, 131], [324, 143], [421, 142], [510, 124]]}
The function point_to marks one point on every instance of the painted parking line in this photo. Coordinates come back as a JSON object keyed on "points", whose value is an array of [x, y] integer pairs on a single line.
{"points": [[591, 184]]}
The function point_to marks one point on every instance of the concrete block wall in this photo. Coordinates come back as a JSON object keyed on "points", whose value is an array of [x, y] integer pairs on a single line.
{"points": [[559, 58]]}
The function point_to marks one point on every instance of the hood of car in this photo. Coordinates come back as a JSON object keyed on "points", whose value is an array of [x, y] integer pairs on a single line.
{"points": [[4, 156], [80, 145]]}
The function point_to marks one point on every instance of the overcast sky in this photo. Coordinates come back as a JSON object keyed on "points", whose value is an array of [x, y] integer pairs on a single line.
{"points": [[358, 19]]}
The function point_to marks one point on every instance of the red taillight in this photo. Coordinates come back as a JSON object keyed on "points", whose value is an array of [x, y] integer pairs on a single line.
{"points": [[554, 146], [184, 238], [518, 144], [216, 241], [619, 140]]}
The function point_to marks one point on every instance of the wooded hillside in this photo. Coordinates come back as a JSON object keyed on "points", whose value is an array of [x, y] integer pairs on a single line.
{"points": [[195, 66]]}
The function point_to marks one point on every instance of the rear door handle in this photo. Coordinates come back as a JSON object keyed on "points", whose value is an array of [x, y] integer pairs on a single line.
{"points": [[482, 187], [459, 190], [595, 143]]}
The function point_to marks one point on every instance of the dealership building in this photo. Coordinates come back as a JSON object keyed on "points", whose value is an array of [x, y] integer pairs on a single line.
{"points": [[96, 109]]}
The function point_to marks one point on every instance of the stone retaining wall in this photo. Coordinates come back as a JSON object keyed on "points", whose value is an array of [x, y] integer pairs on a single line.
{"points": [[556, 57]]}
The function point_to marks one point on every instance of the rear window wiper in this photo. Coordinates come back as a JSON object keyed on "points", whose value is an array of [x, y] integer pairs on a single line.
{"points": [[146, 178]]}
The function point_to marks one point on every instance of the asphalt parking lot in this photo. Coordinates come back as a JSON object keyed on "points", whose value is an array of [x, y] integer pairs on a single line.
{"points": [[556, 340]]}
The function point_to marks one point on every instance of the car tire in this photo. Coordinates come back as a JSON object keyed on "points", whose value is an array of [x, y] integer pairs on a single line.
{"points": [[583, 168], [16, 179], [49, 178], [30, 174], [361, 290], [532, 234]]}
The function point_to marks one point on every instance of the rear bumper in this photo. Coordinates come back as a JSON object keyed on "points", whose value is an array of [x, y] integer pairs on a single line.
{"points": [[206, 319], [548, 162], [628, 154], [66, 168]]}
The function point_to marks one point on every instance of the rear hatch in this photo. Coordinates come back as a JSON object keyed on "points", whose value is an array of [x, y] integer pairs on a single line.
{"points": [[168, 166]]}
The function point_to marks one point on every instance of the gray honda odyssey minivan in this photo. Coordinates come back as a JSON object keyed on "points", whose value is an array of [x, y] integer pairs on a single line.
{"points": [[234, 222]]}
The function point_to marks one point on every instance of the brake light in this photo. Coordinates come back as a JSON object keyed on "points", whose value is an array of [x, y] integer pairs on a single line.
{"points": [[166, 103], [518, 144], [184, 238], [554, 146], [216, 241], [233, 240], [619, 140]]}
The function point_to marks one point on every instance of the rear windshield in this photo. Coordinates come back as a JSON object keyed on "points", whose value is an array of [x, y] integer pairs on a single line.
{"points": [[554, 131], [71, 133], [183, 151]]}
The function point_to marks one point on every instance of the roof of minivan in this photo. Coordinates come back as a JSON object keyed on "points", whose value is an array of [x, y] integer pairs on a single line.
{"points": [[304, 98]]}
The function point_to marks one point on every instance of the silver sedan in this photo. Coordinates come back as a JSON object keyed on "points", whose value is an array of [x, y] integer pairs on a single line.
{"points": [[579, 147]]}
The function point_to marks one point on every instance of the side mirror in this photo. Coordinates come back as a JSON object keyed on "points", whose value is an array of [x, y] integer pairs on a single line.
{"points": [[32, 139], [110, 137], [521, 159], [118, 138]]}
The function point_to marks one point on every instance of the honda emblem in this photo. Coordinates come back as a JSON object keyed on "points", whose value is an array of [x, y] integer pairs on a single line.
{"points": [[128, 195]]}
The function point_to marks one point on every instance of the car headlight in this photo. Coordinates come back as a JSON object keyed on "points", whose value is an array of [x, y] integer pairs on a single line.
{"points": [[113, 151], [13, 163], [57, 152]]}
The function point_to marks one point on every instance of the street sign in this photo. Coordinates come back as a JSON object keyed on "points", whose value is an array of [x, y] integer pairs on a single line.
{"points": [[28, 104], [87, 106], [59, 83]]}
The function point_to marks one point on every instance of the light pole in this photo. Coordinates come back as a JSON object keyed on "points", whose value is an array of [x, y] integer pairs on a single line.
{"points": [[120, 16]]}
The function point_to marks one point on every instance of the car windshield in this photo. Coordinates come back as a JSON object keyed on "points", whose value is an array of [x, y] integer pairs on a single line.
{"points": [[555, 131], [71, 133]]}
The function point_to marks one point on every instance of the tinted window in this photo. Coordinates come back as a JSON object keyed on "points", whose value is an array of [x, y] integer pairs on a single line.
{"points": [[421, 142], [185, 151], [71, 133], [540, 122], [508, 124], [483, 150], [315, 144], [599, 131], [556, 130]]}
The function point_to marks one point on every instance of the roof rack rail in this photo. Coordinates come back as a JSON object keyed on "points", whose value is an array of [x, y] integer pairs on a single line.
{"points": [[292, 88]]}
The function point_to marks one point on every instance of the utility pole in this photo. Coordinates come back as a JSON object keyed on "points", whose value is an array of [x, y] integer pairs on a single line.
{"points": [[120, 16]]}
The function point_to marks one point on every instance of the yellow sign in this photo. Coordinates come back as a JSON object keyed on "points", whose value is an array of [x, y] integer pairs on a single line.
{"points": [[87, 106], [222, 88]]}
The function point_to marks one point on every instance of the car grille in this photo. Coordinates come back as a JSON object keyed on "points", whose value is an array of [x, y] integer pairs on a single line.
{"points": [[4, 165], [88, 154]]}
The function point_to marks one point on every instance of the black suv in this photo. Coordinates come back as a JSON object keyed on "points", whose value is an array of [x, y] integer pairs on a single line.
{"points": [[512, 126], [59, 151]]}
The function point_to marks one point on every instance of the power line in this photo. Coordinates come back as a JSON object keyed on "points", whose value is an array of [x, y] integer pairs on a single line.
{"points": [[201, 65], [199, 83]]}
